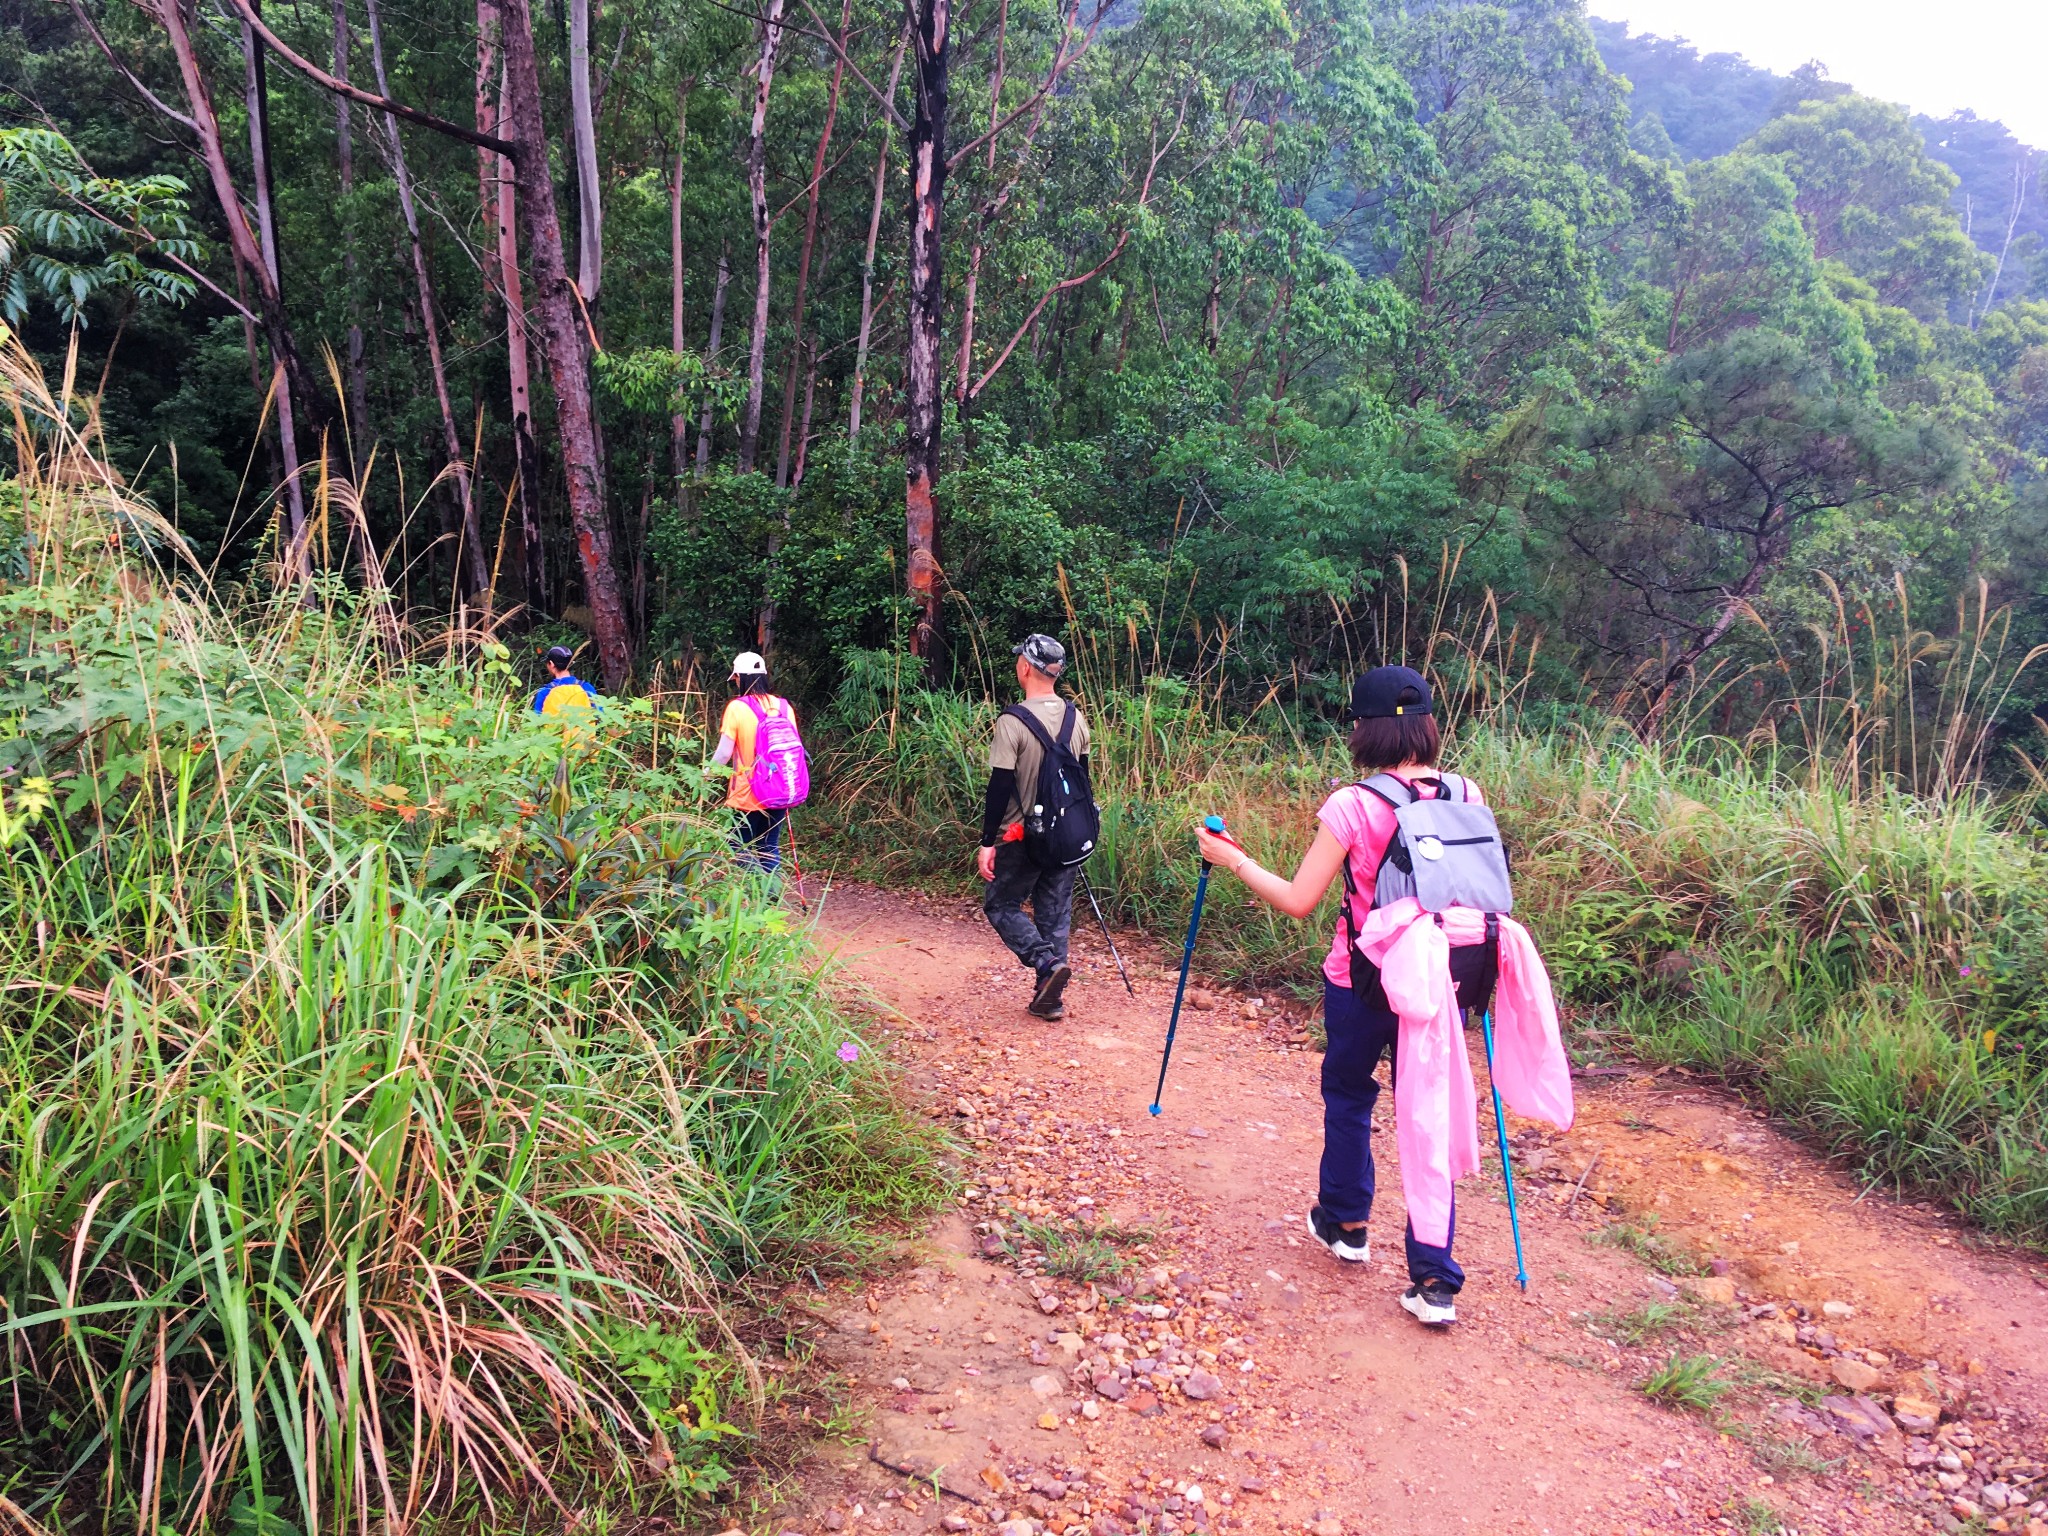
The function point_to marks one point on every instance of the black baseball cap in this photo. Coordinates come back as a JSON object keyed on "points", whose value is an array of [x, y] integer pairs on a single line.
{"points": [[1043, 652], [560, 655], [1377, 694]]}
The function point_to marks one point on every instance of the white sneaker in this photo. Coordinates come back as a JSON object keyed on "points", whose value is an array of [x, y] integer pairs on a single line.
{"points": [[1432, 1308], [1351, 1245]]}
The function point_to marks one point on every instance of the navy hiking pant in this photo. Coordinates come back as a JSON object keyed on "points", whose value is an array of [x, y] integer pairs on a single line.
{"points": [[1359, 1036]]}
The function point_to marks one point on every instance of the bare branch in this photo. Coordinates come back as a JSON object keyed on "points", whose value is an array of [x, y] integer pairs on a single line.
{"points": [[156, 103], [328, 82], [1062, 62], [1123, 238], [823, 36]]}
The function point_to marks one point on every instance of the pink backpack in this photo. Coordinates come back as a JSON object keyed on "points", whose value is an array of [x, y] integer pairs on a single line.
{"points": [[781, 775]]}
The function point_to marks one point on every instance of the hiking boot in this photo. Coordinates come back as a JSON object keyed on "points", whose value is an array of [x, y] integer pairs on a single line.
{"points": [[1352, 1246], [1434, 1306], [1052, 982]]}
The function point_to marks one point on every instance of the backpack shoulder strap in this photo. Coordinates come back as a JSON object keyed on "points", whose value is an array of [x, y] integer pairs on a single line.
{"points": [[1031, 723], [756, 706], [1372, 786], [1067, 726]]}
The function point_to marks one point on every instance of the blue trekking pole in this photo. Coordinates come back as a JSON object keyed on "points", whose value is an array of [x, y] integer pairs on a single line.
{"points": [[1211, 824], [1507, 1169]]}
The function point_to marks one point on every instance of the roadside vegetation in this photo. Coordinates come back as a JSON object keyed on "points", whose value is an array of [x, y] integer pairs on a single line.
{"points": [[396, 1093]]}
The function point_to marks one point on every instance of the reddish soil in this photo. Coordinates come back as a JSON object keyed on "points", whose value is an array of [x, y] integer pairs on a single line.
{"points": [[986, 1389]]}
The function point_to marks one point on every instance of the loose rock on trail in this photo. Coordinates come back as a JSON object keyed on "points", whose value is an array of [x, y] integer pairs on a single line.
{"points": [[1124, 1327]]}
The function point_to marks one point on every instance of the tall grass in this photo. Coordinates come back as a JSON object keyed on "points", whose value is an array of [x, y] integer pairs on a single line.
{"points": [[1867, 958], [386, 1077]]}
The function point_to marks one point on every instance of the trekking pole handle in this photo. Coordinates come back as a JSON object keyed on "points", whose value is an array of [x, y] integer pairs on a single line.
{"points": [[1213, 825]]}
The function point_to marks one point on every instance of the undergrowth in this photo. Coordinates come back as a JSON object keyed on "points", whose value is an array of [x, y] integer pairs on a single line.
{"points": [[392, 1085]]}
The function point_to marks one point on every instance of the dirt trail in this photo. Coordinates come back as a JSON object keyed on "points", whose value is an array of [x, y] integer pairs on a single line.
{"points": [[1235, 1377]]}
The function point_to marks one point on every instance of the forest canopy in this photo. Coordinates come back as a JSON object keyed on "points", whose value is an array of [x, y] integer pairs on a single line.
{"points": [[1229, 328]]}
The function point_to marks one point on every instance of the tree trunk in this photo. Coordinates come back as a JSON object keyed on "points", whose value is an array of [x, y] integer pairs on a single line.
{"points": [[803, 431], [932, 38], [568, 353], [640, 554], [803, 265], [2022, 163], [1765, 557], [472, 572], [488, 28], [757, 187], [704, 421], [533, 547], [867, 265], [583, 135], [359, 432], [248, 255], [965, 364], [678, 336], [257, 99], [500, 255]]}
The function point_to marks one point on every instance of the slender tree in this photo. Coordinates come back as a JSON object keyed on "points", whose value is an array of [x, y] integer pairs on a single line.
{"points": [[357, 372], [757, 188], [803, 264], [256, 99], [499, 251], [472, 573], [867, 264], [583, 138], [711, 349], [679, 339], [290, 380]]}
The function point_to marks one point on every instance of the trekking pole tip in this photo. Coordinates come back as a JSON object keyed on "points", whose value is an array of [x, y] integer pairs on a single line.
{"points": [[1154, 1108]]}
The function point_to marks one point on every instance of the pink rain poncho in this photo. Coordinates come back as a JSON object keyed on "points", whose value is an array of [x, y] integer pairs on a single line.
{"points": [[1436, 1106]]}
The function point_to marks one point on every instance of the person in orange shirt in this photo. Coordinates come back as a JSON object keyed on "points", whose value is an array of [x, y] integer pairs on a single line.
{"points": [[757, 828]]}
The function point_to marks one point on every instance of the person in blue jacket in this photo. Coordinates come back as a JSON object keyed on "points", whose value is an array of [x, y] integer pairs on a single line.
{"points": [[563, 693]]}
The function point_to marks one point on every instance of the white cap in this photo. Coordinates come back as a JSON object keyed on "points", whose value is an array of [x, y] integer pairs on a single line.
{"points": [[749, 664]]}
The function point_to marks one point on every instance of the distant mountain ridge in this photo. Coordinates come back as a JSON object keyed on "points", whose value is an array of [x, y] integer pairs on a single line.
{"points": [[1692, 106]]}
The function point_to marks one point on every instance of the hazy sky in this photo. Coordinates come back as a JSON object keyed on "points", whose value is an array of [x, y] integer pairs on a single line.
{"points": [[1989, 55]]}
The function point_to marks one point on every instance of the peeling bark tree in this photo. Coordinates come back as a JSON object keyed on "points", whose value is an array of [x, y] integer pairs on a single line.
{"points": [[757, 187], [567, 344], [501, 278], [583, 136], [931, 37]]}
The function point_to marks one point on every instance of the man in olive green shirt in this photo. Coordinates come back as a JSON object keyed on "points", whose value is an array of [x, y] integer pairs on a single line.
{"points": [[1039, 940]]}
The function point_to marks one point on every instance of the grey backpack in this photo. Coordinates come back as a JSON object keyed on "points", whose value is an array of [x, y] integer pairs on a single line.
{"points": [[1446, 852]]}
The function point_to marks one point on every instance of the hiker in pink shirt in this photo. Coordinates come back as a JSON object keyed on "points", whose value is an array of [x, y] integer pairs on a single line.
{"points": [[1395, 732]]}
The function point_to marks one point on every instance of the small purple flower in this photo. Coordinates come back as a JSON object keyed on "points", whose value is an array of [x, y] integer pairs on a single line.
{"points": [[848, 1051], [1966, 970]]}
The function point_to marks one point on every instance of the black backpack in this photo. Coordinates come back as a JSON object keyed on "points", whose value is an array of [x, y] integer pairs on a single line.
{"points": [[1061, 823]]}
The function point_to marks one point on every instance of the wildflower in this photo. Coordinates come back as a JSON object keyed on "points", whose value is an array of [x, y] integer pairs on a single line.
{"points": [[848, 1051], [1966, 970]]}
